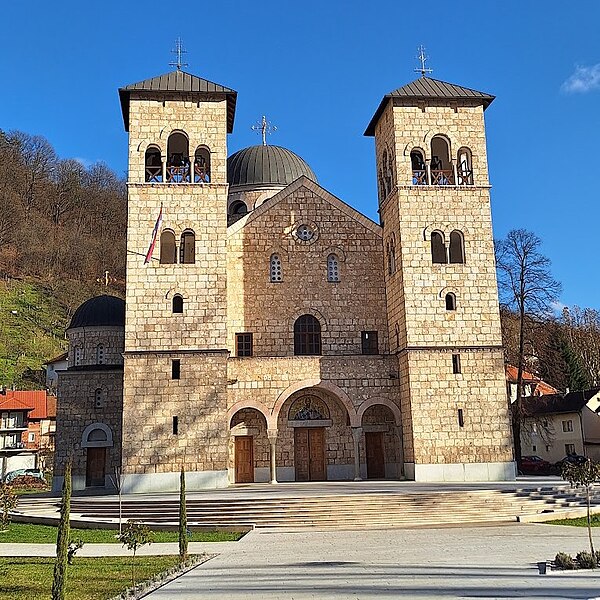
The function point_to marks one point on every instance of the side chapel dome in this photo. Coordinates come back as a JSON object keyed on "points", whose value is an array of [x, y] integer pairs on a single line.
{"points": [[100, 311]]}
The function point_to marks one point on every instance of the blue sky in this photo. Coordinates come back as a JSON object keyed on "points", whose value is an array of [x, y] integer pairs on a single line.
{"points": [[318, 71]]}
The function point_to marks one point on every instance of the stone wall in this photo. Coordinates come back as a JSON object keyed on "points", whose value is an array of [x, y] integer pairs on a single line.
{"points": [[77, 408], [87, 339], [269, 309]]}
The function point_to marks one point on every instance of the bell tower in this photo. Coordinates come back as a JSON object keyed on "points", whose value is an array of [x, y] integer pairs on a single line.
{"points": [[442, 297], [175, 377]]}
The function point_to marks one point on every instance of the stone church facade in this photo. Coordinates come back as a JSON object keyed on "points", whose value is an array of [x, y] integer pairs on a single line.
{"points": [[274, 333]]}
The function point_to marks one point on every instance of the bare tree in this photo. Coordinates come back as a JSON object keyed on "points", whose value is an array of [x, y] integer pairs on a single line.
{"points": [[583, 333], [526, 286]]}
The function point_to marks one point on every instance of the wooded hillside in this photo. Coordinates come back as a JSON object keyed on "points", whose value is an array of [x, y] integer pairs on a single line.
{"points": [[62, 226]]}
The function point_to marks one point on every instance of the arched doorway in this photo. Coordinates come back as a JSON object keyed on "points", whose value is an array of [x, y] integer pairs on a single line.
{"points": [[381, 453], [96, 438], [314, 439], [249, 447]]}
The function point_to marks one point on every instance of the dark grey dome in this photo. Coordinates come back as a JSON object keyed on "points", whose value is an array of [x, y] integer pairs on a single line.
{"points": [[101, 311], [262, 165]]}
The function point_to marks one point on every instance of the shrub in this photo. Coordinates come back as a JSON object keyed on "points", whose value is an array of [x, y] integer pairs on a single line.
{"points": [[586, 560], [8, 502], [564, 561]]}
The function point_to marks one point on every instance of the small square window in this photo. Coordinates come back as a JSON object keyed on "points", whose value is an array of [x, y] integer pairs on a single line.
{"points": [[176, 369], [456, 363], [243, 344], [570, 449], [31, 437], [534, 448], [370, 343], [567, 425]]}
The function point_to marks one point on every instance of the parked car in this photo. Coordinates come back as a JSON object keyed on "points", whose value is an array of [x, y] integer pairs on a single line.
{"points": [[535, 465], [11, 475], [574, 459]]}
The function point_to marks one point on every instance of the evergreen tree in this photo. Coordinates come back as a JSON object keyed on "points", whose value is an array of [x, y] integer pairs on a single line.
{"points": [[183, 540], [62, 539], [577, 378]]}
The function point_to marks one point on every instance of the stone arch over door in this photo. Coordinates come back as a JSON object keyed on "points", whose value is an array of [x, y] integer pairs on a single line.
{"points": [[249, 447], [314, 434], [381, 452], [96, 439]]}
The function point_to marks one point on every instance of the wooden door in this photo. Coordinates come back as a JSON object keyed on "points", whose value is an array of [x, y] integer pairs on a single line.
{"points": [[375, 455], [244, 459], [309, 454], [96, 467]]}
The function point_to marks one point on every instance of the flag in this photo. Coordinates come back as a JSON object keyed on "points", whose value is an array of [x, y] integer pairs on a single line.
{"points": [[154, 236]]}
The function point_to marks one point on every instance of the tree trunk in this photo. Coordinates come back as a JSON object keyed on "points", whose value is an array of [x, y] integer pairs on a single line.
{"points": [[62, 539], [183, 540], [589, 521]]}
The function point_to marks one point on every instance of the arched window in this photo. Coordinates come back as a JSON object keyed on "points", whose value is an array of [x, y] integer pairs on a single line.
{"points": [[237, 210], [438, 248], [187, 248], [202, 165], [387, 172], [441, 165], [276, 270], [450, 301], [391, 248], [177, 304], [153, 161], [381, 185], [457, 251], [168, 248], [464, 167], [419, 172], [178, 158], [98, 398], [100, 354], [307, 336], [333, 269]]}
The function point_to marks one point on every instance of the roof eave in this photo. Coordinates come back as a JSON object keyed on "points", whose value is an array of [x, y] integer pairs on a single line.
{"points": [[230, 96], [370, 130]]}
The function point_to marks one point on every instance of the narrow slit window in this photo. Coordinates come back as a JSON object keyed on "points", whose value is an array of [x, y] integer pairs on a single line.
{"points": [[176, 369], [175, 425], [461, 418], [456, 363]]}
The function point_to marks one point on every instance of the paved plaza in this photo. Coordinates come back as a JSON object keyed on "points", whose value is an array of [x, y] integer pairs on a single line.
{"points": [[453, 562]]}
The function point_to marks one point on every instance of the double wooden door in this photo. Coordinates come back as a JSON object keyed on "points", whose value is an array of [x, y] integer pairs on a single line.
{"points": [[309, 454], [244, 459], [95, 471], [375, 455]]}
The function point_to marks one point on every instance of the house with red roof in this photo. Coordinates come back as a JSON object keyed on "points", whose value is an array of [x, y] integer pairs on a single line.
{"points": [[13, 426], [533, 386]]}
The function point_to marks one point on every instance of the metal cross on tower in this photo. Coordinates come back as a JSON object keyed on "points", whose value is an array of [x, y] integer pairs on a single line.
{"points": [[422, 57], [265, 128], [178, 50]]}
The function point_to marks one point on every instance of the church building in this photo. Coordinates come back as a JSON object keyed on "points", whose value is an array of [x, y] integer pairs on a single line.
{"points": [[273, 333]]}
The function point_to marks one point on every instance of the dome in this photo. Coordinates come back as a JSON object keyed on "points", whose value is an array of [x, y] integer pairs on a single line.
{"points": [[101, 311], [264, 165]]}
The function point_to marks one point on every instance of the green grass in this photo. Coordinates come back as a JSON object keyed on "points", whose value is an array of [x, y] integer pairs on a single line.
{"points": [[87, 578], [578, 522], [25, 533]]}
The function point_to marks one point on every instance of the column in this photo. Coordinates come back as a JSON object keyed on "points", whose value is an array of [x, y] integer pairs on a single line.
{"points": [[272, 435], [164, 168], [428, 169], [455, 172], [356, 435]]}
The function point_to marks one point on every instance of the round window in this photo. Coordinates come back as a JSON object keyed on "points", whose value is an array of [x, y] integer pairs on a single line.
{"points": [[305, 233]]}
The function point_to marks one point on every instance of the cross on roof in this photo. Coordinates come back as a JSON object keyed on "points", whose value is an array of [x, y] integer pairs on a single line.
{"points": [[178, 50], [422, 57], [264, 127]]}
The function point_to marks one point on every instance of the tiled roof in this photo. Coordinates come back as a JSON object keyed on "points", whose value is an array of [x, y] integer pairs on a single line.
{"points": [[14, 404], [427, 88], [34, 400], [541, 388], [178, 81], [572, 402], [59, 358]]}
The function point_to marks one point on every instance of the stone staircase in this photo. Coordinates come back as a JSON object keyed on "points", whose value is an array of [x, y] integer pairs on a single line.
{"points": [[341, 511]]}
